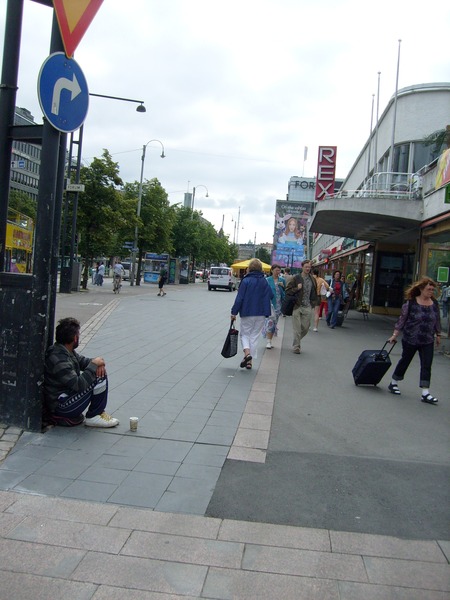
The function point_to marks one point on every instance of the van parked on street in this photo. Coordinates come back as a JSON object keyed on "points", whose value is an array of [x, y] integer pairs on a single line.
{"points": [[221, 278]]}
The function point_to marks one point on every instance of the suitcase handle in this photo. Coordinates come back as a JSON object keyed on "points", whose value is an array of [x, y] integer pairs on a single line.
{"points": [[387, 342]]}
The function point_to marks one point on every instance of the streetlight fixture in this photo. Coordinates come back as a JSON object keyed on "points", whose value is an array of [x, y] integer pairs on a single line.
{"points": [[141, 108], [193, 197], [138, 212], [65, 284]]}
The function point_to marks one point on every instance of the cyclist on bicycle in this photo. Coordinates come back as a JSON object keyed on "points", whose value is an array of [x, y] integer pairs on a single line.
{"points": [[119, 272]]}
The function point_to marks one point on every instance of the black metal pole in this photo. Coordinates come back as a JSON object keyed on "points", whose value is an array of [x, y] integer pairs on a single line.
{"points": [[42, 295], [75, 208], [56, 236], [8, 92]]}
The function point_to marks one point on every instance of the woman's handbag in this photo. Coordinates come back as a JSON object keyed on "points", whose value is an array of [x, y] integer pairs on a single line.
{"points": [[231, 342], [323, 290]]}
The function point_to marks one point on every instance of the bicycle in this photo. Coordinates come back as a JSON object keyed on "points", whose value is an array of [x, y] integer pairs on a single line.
{"points": [[117, 284]]}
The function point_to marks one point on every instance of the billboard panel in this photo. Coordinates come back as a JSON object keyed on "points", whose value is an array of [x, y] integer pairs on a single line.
{"points": [[290, 235]]}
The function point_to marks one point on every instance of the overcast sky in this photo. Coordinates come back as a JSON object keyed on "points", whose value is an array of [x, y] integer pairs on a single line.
{"points": [[235, 90]]}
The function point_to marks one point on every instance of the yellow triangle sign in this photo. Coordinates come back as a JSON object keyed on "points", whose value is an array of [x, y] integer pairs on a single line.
{"points": [[74, 17]]}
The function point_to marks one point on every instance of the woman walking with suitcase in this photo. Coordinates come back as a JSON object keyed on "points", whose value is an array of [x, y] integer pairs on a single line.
{"points": [[420, 325]]}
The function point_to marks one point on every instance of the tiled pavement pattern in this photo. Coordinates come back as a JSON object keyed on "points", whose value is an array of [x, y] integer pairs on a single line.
{"points": [[99, 548], [57, 549]]}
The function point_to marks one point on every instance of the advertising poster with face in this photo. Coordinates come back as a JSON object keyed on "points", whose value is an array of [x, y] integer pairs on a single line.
{"points": [[290, 234]]}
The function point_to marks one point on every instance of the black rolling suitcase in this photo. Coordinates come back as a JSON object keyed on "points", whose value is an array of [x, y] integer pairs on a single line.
{"points": [[371, 366], [340, 318]]}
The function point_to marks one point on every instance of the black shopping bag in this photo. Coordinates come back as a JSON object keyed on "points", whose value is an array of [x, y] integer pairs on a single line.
{"points": [[287, 306], [231, 342]]}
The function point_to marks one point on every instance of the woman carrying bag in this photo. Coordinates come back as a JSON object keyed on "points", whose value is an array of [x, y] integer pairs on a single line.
{"points": [[420, 324], [277, 284], [253, 305]]}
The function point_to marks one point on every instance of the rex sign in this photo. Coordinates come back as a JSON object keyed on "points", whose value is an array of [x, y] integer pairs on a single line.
{"points": [[326, 170]]}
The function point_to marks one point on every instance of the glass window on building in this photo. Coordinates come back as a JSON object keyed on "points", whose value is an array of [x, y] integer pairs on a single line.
{"points": [[401, 158]]}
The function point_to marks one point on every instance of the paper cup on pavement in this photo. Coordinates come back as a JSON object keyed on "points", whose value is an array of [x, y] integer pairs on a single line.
{"points": [[134, 423]]}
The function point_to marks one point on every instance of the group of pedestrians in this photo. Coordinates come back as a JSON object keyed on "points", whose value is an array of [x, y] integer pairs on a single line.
{"points": [[98, 274], [259, 304]]}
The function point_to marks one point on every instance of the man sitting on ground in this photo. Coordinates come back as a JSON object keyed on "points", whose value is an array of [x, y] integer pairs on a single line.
{"points": [[74, 383]]}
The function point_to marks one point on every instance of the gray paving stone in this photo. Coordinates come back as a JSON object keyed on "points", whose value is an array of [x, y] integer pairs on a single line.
{"points": [[70, 534], [170, 450], [213, 434], [228, 584], [89, 490], [201, 472], [39, 559], [61, 509], [8, 521], [22, 586], [207, 454], [141, 489], [305, 563], [367, 591], [188, 501], [106, 592], [103, 475], [184, 549], [385, 546], [407, 573], [445, 547], [43, 484], [163, 522], [22, 464], [158, 467], [283, 536], [145, 574], [6, 499]]}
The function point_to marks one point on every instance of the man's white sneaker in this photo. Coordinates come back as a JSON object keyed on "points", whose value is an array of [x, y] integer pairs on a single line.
{"points": [[103, 420], [269, 345], [315, 329]]}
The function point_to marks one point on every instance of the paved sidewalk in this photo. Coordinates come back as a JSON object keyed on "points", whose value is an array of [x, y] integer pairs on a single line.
{"points": [[112, 514]]}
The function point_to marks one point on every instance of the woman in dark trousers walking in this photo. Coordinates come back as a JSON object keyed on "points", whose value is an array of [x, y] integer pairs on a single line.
{"points": [[420, 324]]}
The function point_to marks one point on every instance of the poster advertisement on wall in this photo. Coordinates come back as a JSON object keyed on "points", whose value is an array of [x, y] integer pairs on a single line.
{"points": [[290, 235]]}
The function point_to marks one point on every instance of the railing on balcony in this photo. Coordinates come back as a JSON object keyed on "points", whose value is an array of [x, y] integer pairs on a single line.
{"points": [[407, 186]]}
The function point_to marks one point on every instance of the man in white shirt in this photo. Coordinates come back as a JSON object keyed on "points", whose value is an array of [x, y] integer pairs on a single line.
{"points": [[119, 272]]}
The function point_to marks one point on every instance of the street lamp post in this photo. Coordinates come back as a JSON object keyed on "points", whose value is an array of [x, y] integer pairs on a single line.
{"points": [[138, 211], [192, 218], [193, 197], [65, 284]]}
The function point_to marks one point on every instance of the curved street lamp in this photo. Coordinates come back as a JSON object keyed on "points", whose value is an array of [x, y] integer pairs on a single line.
{"points": [[138, 212], [193, 197]]}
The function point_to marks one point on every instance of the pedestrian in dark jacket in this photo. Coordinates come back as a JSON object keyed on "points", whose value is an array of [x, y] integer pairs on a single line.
{"points": [[253, 304], [74, 383], [420, 324], [305, 288]]}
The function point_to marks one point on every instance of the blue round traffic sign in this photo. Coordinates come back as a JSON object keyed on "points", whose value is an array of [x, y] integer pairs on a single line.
{"points": [[63, 92]]}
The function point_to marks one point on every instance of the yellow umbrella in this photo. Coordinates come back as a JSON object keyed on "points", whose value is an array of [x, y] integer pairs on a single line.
{"points": [[244, 264]]}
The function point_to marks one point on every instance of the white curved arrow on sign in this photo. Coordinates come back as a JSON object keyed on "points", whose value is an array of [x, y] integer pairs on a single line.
{"points": [[64, 84]]}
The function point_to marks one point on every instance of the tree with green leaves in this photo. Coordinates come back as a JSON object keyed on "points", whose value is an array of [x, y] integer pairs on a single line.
{"points": [[196, 237], [23, 203], [102, 211], [156, 219], [263, 255]]}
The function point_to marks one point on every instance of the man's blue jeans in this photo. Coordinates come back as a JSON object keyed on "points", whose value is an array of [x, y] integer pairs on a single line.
{"points": [[95, 397], [334, 304]]}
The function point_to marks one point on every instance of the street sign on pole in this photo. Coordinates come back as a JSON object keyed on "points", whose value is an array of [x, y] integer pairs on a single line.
{"points": [[75, 187], [63, 92], [74, 17]]}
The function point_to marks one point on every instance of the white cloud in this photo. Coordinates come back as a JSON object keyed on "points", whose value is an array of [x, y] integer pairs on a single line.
{"points": [[236, 90]]}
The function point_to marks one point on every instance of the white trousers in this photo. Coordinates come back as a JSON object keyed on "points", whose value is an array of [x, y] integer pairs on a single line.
{"points": [[251, 328]]}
